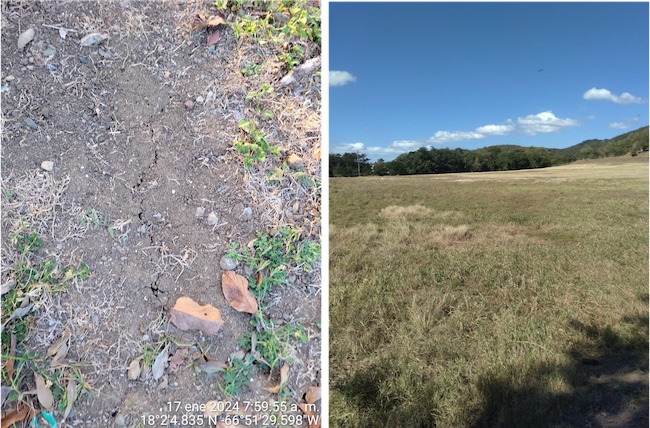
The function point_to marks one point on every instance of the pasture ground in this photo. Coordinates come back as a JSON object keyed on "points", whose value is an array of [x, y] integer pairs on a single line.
{"points": [[491, 299], [144, 194]]}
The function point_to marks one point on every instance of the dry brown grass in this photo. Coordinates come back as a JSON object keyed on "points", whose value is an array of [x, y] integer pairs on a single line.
{"points": [[480, 316]]}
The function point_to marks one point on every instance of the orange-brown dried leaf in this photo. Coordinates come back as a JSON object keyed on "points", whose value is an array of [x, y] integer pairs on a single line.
{"points": [[213, 37], [12, 354], [177, 359], [15, 416], [313, 394], [274, 389], [235, 290], [284, 376], [215, 20], [189, 315]]}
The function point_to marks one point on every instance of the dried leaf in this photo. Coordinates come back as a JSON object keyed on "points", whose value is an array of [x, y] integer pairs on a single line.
{"points": [[317, 153], [12, 354], [20, 312], [53, 349], [274, 389], [15, 416], [213, 37], [213, 21], [177, 359], [213, 366], [199, 22], [7, 286], [43, 392], [284, 376], [93, 39], [160, 363], [134, 369], [189, 315], [145, 370], [60, 354], [71, 396], [235, 289], [313, 394]]}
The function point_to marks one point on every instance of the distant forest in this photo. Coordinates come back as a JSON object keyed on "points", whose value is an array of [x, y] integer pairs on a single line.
{"points": [[494, 158]]}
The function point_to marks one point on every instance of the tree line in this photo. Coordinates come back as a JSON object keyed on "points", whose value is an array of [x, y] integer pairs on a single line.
{"points": [[494, 158]]}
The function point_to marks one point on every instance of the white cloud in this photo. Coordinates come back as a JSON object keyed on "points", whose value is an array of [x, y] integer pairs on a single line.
{"points": [[349, 148], [442, 137], [496, 129], [591, 117], [544, 122], [618, 125], [406, 144], [341, 78], [604, 94]]}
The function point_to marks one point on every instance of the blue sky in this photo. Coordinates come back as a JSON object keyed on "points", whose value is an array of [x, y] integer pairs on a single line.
{"points": [[470, 75]]}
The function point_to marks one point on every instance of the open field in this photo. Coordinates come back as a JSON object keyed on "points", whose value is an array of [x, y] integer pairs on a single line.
{"points": [[491, 299]]}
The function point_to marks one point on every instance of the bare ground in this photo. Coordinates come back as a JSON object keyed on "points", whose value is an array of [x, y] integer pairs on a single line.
{"points": [[113, 119]]}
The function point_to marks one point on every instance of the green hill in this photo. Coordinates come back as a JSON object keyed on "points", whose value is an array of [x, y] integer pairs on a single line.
{"points": [[492, 158], [631, 142]]}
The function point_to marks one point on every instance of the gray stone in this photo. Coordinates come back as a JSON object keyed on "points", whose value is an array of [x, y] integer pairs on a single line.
{"points": [[226, 263], [47, 165]]}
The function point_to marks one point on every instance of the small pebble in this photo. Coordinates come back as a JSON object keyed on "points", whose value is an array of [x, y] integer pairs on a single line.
{"points": [[119, 420], [248, 212], [83, 59], [30, 67], [30, 122], [226, 263], [47, 165], [200, 212], [189, 104], [51, 67], [213, 220], [199, 99], [9, 78]]}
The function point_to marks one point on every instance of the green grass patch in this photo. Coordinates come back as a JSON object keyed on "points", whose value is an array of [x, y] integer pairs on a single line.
{"points": [[31, 275], [270, 258]]}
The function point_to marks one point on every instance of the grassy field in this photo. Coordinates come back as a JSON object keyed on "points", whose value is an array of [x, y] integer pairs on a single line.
{"points": [[491, 299]]}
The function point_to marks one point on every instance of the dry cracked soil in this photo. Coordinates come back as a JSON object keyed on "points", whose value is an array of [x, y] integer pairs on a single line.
{"points": [[139, 129]]}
